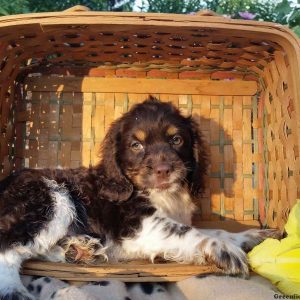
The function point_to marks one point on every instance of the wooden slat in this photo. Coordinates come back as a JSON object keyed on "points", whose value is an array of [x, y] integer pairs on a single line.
{"points": [[134, 271], [140, 85]]}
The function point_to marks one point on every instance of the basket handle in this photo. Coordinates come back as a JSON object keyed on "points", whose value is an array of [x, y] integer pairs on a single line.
{"points": [[77, 8], [203, 12], [207, 13]]}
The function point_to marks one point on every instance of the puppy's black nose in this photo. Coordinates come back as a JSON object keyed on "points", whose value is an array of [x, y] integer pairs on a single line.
{"points": [[163, 170]]}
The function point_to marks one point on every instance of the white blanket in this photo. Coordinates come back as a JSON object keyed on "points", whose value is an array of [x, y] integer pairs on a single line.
{"points": [[195, 288]]}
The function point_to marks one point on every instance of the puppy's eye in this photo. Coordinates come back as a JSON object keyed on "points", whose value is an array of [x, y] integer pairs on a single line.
{"points": [[135, 145], [176, 140]]}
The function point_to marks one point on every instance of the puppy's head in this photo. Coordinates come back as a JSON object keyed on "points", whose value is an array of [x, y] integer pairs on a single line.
{"points": [[154, 147]]}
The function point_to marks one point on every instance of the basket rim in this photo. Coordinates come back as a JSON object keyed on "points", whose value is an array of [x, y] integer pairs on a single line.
{"points": [[271, 31], [248, 27], [41, 18]]}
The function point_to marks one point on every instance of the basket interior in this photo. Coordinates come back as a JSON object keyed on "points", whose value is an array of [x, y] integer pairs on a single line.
{"points": [[65, 81]]}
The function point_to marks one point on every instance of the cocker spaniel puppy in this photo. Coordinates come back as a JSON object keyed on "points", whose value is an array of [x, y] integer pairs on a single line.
{"points": [[137, 203]]}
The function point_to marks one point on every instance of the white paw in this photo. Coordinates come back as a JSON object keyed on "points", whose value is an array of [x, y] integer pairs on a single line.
{"points": [[225, 255]]}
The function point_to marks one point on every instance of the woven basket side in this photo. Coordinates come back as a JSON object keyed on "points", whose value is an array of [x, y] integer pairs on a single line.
{"points": [[281, 151]]}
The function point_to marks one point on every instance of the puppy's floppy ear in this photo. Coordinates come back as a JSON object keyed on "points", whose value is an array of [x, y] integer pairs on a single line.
{"points": [[114, 186], [200, 166]]}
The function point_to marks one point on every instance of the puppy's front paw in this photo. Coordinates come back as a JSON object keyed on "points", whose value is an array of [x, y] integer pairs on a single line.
{"points": [[226, 256], [252, 237], [83, 249]]}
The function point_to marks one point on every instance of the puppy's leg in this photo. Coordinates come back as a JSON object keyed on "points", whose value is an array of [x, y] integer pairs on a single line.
{"points": [[33, 217], [245, 239], [161, 236]]}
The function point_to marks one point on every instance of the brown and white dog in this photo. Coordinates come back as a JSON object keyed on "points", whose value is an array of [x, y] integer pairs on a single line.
{"points": [[137, 203]]}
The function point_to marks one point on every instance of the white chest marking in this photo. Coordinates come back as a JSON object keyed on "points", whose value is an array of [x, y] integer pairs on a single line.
{"points": [[175, 203]]}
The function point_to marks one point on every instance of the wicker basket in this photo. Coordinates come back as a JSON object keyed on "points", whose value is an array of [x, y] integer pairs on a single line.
{"points": [[65, 76]]}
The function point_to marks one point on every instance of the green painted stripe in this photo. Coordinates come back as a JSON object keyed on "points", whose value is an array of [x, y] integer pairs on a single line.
{"points": [[54, 102], [196, 105], [219, 175], [222, 141], [64, 139], [247, 142], [220, 106], [189, 104], [221, 118], [247, 175], [218, 143], [222, 175], [228, 175]]}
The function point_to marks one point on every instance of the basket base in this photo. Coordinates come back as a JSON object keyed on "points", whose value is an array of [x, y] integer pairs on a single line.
{"points": [[135, 271]]}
